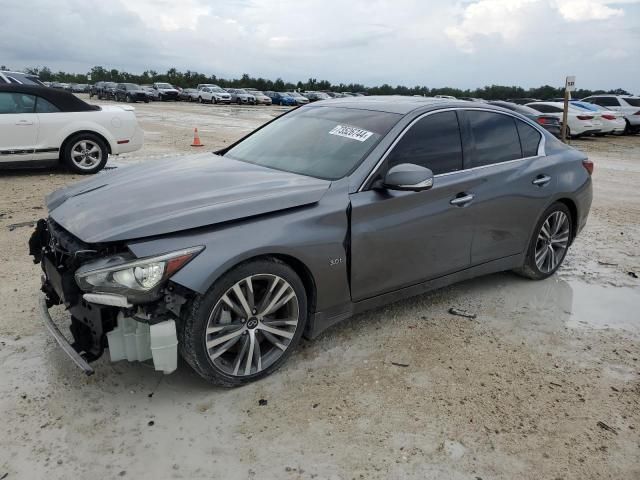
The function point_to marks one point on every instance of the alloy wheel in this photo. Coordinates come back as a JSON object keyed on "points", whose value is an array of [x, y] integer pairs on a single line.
{"points": [[552, 241], [86, 154], [252, 325]]}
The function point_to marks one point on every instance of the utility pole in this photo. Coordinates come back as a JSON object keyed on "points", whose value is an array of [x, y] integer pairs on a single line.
{"points": [[569, 86]]}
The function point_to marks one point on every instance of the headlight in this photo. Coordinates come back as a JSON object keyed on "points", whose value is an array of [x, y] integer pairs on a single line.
{"points": [[132, 278]]}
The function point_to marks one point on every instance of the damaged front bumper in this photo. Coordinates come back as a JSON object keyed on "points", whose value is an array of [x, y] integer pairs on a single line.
{"points": [[98, 321]]}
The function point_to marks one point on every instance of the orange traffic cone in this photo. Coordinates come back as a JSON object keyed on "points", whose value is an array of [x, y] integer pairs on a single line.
{"points": [[196, 139]]}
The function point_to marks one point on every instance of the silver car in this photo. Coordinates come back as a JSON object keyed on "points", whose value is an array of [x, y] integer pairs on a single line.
{"points": [[331, 209], [240, 96]]}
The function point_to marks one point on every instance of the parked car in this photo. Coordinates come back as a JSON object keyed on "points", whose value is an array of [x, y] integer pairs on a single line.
{"points": [[130, 92], [240, 96], [300, 99], [166, 91], [152, 94], [19, 78], [95, 88], [80, 88], [279, 98], [628, 105], [523, 101], [548, 122], [40, 125], [612, 122], [108, 91], [579, 122], [214, 95], [261, 98], [315, 96], [334, 94], [188, 95], [229, 258]]}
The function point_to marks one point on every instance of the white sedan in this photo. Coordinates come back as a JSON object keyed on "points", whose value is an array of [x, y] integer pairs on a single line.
{"points": [[40, 125], [579, 122]]}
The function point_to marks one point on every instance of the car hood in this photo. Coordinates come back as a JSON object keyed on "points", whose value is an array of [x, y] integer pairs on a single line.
{"points": [[171, 195]]}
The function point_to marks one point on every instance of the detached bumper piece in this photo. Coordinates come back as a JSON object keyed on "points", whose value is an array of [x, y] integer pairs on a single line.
{"points": [[61, 339]]}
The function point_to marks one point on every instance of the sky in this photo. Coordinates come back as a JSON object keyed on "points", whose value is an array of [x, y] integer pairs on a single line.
{"points": [[436, 43]]}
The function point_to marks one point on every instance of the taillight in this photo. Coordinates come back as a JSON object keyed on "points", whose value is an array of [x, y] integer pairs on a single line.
{"points": [[547, 120], [585, 117], [637, 113], [588, 165], [609, 117]]}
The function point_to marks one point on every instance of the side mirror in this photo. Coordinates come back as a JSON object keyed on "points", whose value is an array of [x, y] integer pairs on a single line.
{"points": [[408, 177]]}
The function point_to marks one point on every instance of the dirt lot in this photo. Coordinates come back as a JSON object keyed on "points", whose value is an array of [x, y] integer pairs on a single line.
{"points": [[543, 384]]}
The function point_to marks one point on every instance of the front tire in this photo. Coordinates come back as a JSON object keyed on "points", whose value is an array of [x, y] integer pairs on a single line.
{"points": [[85, 153], [550, 242], [247, 324]]}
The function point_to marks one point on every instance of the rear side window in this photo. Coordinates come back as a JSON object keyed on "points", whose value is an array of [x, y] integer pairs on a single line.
{"points": [[44, 106], [496, 138], [433, 142], [606, 101], [529, 139], [634, 102]]}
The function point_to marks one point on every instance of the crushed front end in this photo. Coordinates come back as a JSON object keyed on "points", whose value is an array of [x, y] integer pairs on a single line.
{"points": [[115, 301]]}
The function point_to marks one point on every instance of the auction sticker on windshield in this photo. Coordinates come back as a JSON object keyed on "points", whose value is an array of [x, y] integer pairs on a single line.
{"points": [[351, 132]]}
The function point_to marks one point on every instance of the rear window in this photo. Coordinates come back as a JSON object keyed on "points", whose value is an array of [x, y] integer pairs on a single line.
{"points": [[496, 138], [634, 102]]}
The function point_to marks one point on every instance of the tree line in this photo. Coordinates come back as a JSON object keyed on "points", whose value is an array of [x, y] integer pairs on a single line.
{"points": [[191, 79]]}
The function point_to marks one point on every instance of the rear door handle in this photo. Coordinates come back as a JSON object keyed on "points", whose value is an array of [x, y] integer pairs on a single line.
{"points": [[461, 199], [24, 122], [541, 180]]}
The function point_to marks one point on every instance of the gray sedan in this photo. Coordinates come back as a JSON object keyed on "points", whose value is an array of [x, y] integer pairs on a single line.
{"points": [[331, 209]]}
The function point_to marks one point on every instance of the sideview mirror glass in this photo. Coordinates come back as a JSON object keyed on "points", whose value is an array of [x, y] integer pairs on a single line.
{"points": [[408, 177]]}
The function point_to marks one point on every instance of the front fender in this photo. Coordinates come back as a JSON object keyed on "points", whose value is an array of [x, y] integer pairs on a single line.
{"points": [[315, 235]]}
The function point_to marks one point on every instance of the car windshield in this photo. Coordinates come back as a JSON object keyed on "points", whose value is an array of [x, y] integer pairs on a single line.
{"points": [[218, 89], [131, 86], [634, 102], [163, 85], [321, 142], [239, 90]]}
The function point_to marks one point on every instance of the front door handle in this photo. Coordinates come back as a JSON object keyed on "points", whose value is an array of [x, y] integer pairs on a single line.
{"points": [[24, 123], [461, 199], [541, 180]]}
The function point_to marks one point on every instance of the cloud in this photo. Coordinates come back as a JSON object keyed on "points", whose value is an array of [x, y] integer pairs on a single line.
{"points": [[412, 42], [509, 19]]}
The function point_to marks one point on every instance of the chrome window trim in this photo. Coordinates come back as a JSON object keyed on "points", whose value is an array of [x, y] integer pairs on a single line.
{"points": [[541, 144]]}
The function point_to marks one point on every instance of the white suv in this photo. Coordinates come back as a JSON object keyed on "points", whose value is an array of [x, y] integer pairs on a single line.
{"points": [[628, 105], [213, 95], [19, 78]]}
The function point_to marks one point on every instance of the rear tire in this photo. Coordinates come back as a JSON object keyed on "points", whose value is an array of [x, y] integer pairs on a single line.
{"points": [[550, 242], [229, 347], [85, 153]]}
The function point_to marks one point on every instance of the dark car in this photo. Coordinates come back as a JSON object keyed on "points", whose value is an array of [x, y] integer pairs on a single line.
{"points": [[188, 95], [522, 101], [130, 92], [107, 91], [548, 122], [228, 258], [316, 96]]}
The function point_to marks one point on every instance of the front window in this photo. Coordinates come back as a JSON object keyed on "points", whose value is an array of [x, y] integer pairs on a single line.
{"points": [[322, 142], [241, 91], [11, 102], [163, 85], [218, 90], [131, 86]]}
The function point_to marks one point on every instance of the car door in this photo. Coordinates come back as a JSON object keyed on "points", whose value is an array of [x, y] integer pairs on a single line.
{"points": [[511, 183], [18, 126], [51, 122], [401, 238]]}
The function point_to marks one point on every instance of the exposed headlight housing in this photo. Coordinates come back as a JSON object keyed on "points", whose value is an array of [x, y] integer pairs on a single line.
{"points": [[137, 279]]}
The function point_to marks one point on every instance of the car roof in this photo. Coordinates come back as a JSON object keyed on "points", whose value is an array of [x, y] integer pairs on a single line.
{"points": [[65, 101], [395, 103], [611, 95]]}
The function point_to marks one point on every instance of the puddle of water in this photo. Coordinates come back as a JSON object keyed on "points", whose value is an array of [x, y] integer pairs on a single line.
{"points": [[555, 302]]}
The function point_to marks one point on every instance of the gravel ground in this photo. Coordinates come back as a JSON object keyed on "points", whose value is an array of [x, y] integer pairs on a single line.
{"points": [[543, 384]]}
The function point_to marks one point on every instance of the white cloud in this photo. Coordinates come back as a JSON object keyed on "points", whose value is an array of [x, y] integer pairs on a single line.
{"points": [[509, 19]]}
